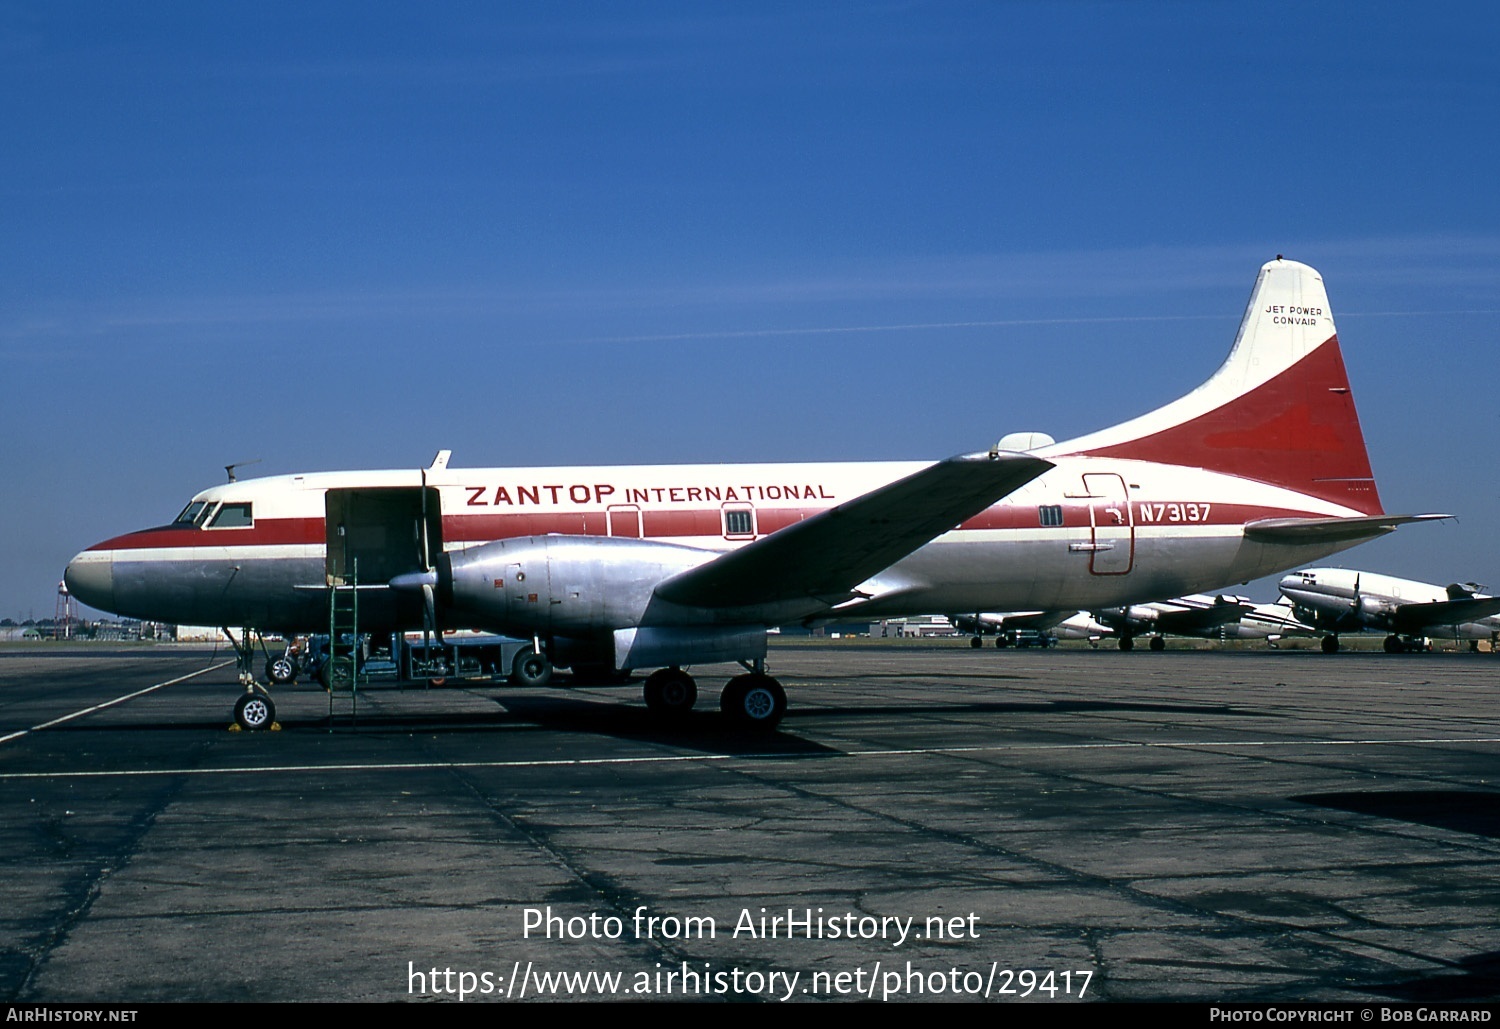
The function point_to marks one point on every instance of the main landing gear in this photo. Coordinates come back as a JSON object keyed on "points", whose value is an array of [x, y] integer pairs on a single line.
{"points": [[753, 700], [1395, 644]]}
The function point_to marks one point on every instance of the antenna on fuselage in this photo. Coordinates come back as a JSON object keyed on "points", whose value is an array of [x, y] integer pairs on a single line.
{"points": [[229, 468]]}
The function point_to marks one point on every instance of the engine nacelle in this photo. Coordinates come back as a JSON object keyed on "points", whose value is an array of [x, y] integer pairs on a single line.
{"points": [[581, 586], [1374, 612]]}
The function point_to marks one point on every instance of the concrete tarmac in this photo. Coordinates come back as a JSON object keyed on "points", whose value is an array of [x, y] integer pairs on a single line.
{"points": [[929, 823]]}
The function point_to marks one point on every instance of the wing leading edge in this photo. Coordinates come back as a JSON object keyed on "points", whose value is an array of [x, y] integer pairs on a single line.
{"points": [[826, 556]]}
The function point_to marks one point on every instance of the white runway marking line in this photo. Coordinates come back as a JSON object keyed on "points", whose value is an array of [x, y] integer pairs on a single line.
{"points": [[112, 703], [581, 762]]}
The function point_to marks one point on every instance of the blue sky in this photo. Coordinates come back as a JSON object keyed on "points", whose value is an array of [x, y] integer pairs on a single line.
{"points": [[347, 235]]}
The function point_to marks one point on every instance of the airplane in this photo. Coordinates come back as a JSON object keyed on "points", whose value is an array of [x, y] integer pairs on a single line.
{"points": [[1197, 614], [1338, 600], [1258, 470], [1270, 622], [1207, 616], [1021, 628]]}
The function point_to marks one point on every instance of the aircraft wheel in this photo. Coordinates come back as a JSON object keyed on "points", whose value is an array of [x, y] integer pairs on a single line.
{"points": [[670, 692], [1002, 642], [530, 669], [1126, 643], [1330, 644], [976, 643], [753, 701], [1393, 645], [254, 711], [281, 671], [1157, 643]]}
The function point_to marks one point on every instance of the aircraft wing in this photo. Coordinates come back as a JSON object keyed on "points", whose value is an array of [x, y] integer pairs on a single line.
{"points": [[828, 555], [1413, 618], [1038, 620], [1329, 530], [1002, 621], [1190, 620]]}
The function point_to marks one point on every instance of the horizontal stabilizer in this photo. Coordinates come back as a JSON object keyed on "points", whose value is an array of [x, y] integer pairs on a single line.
{"points": [[1329, 530], [832, 552]]}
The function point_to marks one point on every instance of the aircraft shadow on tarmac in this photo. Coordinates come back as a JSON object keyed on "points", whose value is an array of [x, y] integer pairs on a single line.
{"points": [[703, 729], [1475, 978], [1470, 811], [1037, 707], [708, 729]]}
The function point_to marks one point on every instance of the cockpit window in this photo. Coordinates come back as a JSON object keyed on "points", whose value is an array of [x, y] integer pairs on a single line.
{"points": [[232, 516], [194, 513]]}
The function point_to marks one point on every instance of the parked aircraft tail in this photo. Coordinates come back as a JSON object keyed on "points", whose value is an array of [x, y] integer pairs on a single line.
{"points": [[1278, 410]]}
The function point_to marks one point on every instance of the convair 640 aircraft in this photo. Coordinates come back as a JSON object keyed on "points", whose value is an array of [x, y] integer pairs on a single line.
{"points": [[1261, 468]]}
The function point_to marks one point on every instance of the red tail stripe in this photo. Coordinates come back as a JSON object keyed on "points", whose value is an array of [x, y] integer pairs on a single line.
{"points": [[1298, 429]]}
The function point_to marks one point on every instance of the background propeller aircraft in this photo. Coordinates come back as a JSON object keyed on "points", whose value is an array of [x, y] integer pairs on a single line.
{"points": [[1338, 600], [1021, 628]]}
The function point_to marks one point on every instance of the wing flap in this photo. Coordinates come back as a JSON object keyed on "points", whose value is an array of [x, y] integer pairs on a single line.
{"points": [[832, 552]]}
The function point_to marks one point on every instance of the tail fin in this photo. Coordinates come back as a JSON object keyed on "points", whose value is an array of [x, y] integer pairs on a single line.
{"points": [[1278, 409]]}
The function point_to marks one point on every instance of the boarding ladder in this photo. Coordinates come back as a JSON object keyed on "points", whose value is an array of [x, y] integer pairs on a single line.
{"points": [[343, 670]]}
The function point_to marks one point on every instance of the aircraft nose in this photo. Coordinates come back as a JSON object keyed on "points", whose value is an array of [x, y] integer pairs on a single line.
{"points": [[90, 577]]}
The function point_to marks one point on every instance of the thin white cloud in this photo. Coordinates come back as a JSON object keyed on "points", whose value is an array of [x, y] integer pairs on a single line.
{"points": [[1030, 283]]}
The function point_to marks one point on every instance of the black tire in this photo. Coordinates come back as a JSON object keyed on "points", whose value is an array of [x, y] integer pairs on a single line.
{"points": [[1157, 643], [753, 701], [1001, 642], [1393, 645], [281, 670], [1330, 644], [1126, 643], [254, 712], [670, 692], [976, 643], [530, 669]]}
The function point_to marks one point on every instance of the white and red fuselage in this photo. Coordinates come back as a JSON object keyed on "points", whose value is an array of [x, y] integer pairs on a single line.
{"points": [[1167, 529], [1261, 469]]}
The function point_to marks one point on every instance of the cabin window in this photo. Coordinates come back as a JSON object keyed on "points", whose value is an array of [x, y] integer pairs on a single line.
{"points": [[232, 516], [739, 522], [1050, 514]]}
